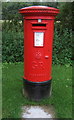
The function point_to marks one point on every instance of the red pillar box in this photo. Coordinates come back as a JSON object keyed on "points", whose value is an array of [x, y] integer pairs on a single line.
{"points": [[38, 42]]}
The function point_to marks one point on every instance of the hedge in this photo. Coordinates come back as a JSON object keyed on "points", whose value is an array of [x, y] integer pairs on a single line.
{"points": [[12, 46]]}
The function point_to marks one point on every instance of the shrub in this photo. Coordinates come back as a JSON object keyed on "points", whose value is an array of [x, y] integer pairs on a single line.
{"points": [[62, 47], [13, 46]]}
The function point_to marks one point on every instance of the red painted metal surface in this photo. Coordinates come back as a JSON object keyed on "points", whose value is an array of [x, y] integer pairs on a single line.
{"points": [[38, 21]]}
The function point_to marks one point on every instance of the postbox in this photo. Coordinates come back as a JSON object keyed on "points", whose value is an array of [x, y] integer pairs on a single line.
{"points": [[38, 44]]}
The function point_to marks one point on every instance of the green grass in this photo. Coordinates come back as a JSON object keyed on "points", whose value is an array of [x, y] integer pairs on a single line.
{"points": [[0, 90], [12, 91]]}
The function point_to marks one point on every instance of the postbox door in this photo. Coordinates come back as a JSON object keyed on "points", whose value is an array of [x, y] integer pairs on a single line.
{"points": [[38, 51]]}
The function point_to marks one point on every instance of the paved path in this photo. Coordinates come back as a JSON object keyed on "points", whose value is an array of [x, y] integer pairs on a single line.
{"points": [[38, 112]]}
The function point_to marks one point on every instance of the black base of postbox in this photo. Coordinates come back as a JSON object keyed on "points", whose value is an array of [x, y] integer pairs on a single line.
{"points": [[36, 90]]}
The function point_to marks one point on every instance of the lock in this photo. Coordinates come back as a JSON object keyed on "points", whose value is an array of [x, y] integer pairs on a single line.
{"points": [[39, 20]]}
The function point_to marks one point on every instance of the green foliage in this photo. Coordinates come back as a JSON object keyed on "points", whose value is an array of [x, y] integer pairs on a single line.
{"points": [[10, 10], [13, 31], [12, 26], [65, 15], [13, 46], [62, 47]]}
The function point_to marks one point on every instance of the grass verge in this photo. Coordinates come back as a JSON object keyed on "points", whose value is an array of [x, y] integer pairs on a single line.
{"points": [[13, 100]]}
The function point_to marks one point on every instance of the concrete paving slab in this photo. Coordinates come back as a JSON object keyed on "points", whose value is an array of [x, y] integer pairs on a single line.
{"points": [[38, 112]]}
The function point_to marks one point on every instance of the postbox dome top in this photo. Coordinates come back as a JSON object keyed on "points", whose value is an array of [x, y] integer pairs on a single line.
{"points": [[39, 10]]}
